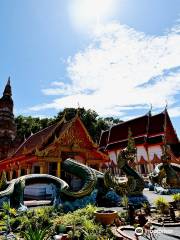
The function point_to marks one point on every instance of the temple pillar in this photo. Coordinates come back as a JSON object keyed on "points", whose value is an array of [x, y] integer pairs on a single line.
{"points": [[28, 170], [41, 168], [10, 175], [148, 168], [19, 172], [59, 169]]}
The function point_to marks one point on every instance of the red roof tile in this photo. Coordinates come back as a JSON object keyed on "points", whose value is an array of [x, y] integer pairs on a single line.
{"points": [[156, 124], [138, 127], [142, 128], [35, 140]]}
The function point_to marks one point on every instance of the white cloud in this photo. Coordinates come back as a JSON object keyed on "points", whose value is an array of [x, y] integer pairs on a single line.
{"points": [[174, 111], [121, 68]]}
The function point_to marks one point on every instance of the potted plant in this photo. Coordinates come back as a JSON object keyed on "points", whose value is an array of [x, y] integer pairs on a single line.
{"points": [[106, 217]]}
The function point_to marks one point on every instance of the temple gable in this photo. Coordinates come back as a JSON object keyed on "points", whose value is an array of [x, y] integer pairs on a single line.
{"points": [[76, 136]]}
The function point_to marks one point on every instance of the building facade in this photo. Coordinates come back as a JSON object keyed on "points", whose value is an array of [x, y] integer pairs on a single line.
{"points": [[149, 133], [44, 151]]}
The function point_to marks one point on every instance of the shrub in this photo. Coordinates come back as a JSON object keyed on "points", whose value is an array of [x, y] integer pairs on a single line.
{"points": [[76, 217], [176, 197], [36, 234], [124, 201], [83, 224], [162, 204]]}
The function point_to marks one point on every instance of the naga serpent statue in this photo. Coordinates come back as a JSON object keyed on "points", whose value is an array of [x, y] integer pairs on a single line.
{"points": [[91, 179], [14, 190], [134, 184], [166, 174]]}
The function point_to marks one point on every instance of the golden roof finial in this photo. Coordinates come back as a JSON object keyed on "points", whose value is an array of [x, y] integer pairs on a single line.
{"points": [[78, 110], [64, 115]]}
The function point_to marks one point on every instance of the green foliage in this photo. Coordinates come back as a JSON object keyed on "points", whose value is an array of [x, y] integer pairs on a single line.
{"points": [[15, 223], [8, 214], [28, 125], [162, 204], [36, 218], [83, 224], [76, 217], [3, 181], [36, 234], [6, 207], [124, 201], [33, 224], [176, 197], [93, 123]]}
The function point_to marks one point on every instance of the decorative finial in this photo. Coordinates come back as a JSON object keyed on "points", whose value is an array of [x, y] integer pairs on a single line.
{"points": [[78, 110], [7, 89], [166, 106], [9, 81], [150, 110], [64, 115]]}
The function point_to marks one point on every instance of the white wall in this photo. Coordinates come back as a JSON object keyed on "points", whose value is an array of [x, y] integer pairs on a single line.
{"points": [[141, 151], [155, 150], [112, 156]]}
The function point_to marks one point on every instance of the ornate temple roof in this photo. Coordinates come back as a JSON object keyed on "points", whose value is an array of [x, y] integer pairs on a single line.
{"points": [[35, 140], [48, 136], [147, 128], [138, 127]]}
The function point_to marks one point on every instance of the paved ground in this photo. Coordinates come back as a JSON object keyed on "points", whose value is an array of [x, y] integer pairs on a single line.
{"points": [[174, 231], [31, 203], [151, 196]]}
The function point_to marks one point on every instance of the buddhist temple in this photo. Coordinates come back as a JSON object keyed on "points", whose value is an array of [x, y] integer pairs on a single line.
{"points": [[149, 132], [44, 151]]}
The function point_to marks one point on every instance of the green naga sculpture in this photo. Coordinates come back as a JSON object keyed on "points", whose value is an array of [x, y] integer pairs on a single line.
{"points": [[91, 179], [134, 184], [166, 174]]}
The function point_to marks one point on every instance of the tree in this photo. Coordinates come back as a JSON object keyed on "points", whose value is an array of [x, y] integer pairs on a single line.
{"points": [[89, 117], [28, 125], [94, 124]]}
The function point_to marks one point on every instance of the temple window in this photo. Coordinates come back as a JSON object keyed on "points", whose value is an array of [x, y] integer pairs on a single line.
{"points": [[37, 169], [23, 172], [52, 168], [14, 174]]}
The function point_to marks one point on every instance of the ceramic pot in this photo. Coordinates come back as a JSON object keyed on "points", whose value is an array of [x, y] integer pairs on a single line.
{"points": [[106, 217]]}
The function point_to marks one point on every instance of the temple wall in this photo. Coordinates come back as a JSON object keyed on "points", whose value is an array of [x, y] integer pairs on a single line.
{"points": [[154, 150], [141, 152], [112, 156], [37, 191]]}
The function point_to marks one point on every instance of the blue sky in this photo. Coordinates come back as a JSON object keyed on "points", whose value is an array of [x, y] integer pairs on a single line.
{"points": [[114, 56]]}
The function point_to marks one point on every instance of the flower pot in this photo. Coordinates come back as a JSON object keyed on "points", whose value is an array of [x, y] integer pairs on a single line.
{"points": [[106, 217], [61, 237]]}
